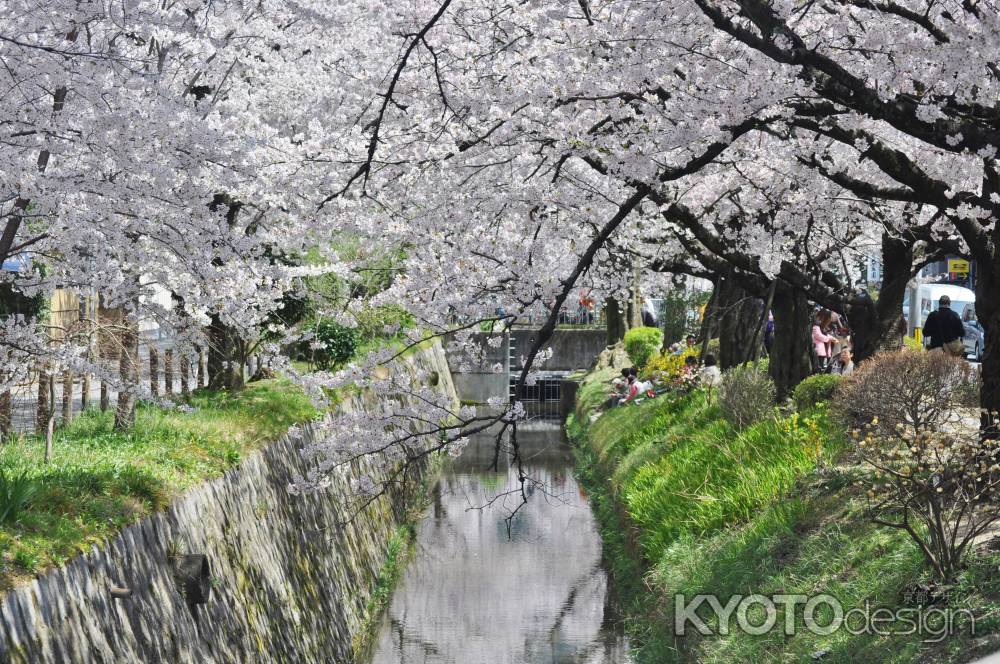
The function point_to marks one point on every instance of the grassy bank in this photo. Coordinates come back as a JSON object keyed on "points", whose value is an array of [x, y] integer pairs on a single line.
{"points": [[689, 505], [100, 480]]}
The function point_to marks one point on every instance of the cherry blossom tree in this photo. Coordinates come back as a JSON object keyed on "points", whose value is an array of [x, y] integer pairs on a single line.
{"points": [[511, 151], [151, 147], [910, 89]]}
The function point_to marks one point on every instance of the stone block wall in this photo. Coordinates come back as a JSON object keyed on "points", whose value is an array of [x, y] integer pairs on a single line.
{"points": [[289, 579]]}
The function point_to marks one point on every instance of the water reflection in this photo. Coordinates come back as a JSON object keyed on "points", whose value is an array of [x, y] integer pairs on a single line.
{"points": [[471, 595]]}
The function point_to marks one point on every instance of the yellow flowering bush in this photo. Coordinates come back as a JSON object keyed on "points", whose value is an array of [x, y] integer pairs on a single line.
{"points": [[807, 430], [667, 366]]}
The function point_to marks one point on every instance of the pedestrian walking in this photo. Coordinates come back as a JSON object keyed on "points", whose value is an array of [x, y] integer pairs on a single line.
{"points": [[769, 334], [944, 329]]}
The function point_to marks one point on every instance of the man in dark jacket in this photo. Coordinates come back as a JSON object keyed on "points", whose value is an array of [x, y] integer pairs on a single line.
{"points": [[943, 328]]}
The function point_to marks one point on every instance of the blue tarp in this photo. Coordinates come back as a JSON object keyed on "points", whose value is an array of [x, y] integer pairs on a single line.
{"points": [[16, 263]]}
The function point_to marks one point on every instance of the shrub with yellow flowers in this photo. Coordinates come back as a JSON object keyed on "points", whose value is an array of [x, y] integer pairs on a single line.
{"points": [[668, 367], [808, 430]]}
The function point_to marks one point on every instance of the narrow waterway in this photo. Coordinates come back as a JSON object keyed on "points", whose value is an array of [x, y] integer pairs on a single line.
{"points": [[471, 595]]}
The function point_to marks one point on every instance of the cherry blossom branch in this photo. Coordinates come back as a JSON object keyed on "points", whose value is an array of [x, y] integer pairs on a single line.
{"points": [[376, 125]]}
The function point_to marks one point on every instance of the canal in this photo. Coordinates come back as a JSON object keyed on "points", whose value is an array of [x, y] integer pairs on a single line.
{"points": [[472, 595]]}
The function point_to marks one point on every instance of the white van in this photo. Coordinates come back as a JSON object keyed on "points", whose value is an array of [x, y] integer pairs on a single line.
{"points": [[921, 300]]}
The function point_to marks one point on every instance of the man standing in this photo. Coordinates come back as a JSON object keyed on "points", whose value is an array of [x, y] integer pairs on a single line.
{"points": [[943, 329]]}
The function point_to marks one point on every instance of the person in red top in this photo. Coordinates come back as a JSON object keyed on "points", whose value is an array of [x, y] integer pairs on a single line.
{"points": [[637, 388], [585, 308]]}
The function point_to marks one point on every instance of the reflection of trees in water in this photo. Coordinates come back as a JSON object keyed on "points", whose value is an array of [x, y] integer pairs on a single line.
{"points": [[470, 594]]}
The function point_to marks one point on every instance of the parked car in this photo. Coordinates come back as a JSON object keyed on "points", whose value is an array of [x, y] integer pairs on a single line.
{"points": [[974, 334]]}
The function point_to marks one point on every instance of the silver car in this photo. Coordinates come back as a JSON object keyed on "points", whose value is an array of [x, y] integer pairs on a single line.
{"points": [[974, 334]]}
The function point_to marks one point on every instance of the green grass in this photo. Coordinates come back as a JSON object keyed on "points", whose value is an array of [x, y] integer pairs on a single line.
{"points": [[397, 553], [100, 480], [688, 505], [678, 468]]}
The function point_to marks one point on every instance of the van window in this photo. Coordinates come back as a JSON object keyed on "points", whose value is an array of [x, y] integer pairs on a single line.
{"points": [[965, 310]]}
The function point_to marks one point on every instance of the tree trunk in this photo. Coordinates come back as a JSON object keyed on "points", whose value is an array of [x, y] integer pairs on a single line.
{"points": [[50, 424], [42, 404], [738, 314], [218, 351], [185, 376], [6, 413], [710, 321], [790, 360], [201, 378], [128, 371], [873, 324], [223, 361], [154, 371], [168, 372], [760, 331], [635, 297], [109, 322], [91, 322], [85, 392], [987, 254], [67, 397], [614, 320], [988, 312]]}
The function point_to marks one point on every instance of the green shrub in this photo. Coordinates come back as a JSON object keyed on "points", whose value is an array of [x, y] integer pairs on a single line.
{"points": [[642, 343], [15, 492], [337, 343], [374, 321], [27, 560], [746, 395], [815, 389]]}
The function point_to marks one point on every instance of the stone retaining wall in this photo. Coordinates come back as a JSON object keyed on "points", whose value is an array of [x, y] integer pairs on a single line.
{"points": [[286, 582]]}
